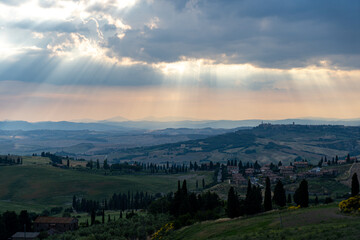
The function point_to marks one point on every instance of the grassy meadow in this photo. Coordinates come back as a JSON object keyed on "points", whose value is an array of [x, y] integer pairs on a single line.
{"points": [[320, 222], [36, 185]]}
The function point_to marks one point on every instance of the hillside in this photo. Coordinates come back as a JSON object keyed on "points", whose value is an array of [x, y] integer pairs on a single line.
{"points": [[94, 143], [265, 143], [36, 185], [321, 222]]}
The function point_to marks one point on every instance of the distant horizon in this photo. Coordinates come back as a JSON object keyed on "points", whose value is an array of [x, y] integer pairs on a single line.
{"points": [[179, 119]]}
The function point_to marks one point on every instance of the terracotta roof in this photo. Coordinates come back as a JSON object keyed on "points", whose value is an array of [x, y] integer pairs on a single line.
{"points": [[54, 220]]}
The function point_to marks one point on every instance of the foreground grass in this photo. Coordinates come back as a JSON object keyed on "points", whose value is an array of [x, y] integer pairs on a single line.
{"points": [[324, 222], [36, 184]]}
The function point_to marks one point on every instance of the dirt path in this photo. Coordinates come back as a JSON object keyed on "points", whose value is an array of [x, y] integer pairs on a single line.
{"points": [[355, 168]]}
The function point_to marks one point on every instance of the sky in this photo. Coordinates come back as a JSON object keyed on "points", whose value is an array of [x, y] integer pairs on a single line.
{"points": [[179, 59]]}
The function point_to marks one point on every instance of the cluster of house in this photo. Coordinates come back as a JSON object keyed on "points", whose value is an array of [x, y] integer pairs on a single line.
{"points": [[284, 172], [51, 225]]}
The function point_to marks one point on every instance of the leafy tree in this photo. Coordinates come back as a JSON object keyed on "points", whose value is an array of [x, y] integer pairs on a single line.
{"points": [[90, 164], [11, 223], [354, 185], [267, 199], [24, 219], [232, 204], [279, 194], [301, 196]]}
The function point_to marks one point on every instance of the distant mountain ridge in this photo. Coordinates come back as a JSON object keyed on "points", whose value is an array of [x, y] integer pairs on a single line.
{"points": [[124, 125]]}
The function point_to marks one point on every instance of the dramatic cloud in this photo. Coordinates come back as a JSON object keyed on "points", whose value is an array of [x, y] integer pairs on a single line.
{"points": [[280, 46]]}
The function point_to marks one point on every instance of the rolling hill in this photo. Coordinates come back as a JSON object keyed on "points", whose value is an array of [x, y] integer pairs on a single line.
{"points": [[264, 143]]}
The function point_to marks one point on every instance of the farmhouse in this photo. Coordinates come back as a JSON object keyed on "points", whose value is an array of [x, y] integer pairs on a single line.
{"points": [[301, 164], [232, 169], [238, 179], [60, 224], [286, 170], [249, 171]]}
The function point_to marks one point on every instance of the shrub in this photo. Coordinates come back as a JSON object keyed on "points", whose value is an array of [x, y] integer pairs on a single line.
{"points": [[351, 205], [294, 207], [163, 231]]}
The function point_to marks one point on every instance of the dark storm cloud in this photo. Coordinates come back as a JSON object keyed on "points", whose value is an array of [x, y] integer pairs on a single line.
{"points": [[280, 34], [274, 33]]}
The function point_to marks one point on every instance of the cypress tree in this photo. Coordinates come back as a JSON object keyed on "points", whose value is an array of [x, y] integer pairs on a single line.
{"points": [[248, 191], [232, 204], [74, 202], [253, 201], [279, 194], [184, 188], [203, 183], [301, 196], [316, 200], [103, 216], [354, 185], [289, 198], [92, 217], [267, 199]]}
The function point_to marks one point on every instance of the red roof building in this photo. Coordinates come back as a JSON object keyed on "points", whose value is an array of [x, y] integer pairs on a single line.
{"points": [[60, 224]]}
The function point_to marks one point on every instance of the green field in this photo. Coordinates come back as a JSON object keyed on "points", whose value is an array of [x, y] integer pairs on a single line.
{"points": [[322, 222], [36, 185]]}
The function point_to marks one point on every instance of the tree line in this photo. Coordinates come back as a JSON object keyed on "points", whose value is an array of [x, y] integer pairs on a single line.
{"points": [[53, 158], [253, 202], [10, 160], [186, 207], [334, 160], [120, 201], [11, 222]]}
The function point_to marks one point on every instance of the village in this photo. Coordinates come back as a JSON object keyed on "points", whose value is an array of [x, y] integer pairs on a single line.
{"points": [[296, 170]]}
